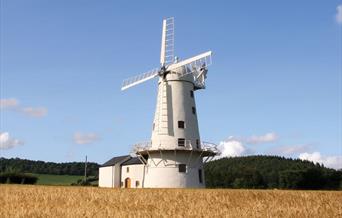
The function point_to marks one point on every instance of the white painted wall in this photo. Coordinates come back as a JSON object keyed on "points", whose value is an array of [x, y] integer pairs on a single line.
{"points": [[174, 103], [106, 177], [136, 173], [110, 176], [177, 107], [164, 172]]}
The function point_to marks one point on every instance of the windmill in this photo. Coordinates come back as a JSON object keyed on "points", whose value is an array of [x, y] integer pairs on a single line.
{"points": [[175, 155]]}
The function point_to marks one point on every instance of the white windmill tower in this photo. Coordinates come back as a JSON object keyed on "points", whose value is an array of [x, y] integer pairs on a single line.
{"points": [[174, 156]]}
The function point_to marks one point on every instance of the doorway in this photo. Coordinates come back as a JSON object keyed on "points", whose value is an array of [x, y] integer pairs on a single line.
{"points": [[127, 183]]}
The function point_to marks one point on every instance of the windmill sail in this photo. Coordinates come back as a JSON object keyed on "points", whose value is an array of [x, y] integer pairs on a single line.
{"points": [[191, 64], [167, 44], [127, 83]]}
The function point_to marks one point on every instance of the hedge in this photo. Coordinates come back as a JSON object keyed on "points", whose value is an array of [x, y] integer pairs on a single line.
{"points": [[17, 178]]}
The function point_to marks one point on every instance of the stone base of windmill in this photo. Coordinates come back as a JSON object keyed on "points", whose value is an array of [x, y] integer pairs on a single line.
{"points": [[175, 168], [149, 167]]}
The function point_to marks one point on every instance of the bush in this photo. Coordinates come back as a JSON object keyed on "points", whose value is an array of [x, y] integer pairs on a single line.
{"points": [[3, 179], [88, 182], [18, 178], [30, 179]]}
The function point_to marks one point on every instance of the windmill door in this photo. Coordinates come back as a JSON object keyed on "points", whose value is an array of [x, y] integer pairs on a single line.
{"points": [[127, 183]]}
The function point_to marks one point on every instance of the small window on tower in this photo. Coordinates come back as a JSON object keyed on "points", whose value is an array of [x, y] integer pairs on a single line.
{"points": [[197, 143], [193, 110], [200, 176], [182, 168], [181, 142], [137, 183], [181, 124], [127, 169], [191, 93]]}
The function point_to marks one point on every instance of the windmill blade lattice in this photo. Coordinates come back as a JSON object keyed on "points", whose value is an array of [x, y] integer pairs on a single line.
{"points": [[127, 83], [167, 45], [194, 63]]}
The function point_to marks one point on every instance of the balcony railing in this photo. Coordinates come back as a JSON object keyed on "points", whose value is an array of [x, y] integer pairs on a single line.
{"points": [[203, 147]]}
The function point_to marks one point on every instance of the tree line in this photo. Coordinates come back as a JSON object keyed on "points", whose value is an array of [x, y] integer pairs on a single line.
{"points": [[270, 172], [17, 165], [261, 172]]}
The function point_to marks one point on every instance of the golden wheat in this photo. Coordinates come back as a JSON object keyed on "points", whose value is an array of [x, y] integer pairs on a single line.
{"points": [[57, 201]]}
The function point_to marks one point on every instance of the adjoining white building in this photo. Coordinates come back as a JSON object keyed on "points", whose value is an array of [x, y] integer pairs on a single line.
{"points": [[122, 171]]}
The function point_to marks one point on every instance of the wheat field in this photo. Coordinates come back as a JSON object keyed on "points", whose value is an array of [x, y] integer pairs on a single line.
{"points": [[63, 201]]}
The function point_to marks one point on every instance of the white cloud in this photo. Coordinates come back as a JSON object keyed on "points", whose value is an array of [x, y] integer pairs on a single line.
{"points": [[290, 150], [85, 138], [328, 161], [268, 137], [6, 142], [232, 147], [235, 146], [34, 112], [13, 104], [339, 14], [314, 157], [8, 103]]}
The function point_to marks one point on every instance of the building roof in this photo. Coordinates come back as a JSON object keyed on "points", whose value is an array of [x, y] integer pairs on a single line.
{"points": [[132, 161], [116, 160]]}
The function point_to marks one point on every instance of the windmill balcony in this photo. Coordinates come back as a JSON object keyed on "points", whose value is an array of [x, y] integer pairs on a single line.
{"points": [[205, 148]]}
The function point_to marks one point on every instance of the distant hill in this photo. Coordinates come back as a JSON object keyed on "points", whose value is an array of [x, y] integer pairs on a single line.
{"points": [[270, 172], [41, 167]]}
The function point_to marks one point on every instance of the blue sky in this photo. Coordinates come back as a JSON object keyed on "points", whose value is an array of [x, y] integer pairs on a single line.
{"points": [[274, 86]]}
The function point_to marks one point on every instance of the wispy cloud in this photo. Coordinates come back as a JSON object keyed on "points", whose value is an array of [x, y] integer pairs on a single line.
{"points": [[267, 138], [256, 139], [328, 161], [13, 104], [339, 14], [6, 142], [289, 150], [8, 103], [34, 112], [85, 138]]}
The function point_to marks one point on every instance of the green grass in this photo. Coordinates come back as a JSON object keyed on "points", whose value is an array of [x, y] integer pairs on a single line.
{"points": [[47, 179]]}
